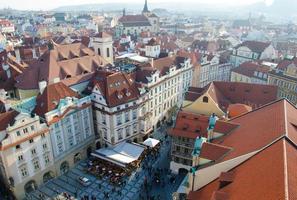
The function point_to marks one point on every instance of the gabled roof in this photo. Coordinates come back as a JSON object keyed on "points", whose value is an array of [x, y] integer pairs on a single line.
{"points": [[249, 68], [269, 174], [226, 93], [63, 62], [254, 46], [260, 128], [189, 125], [116, 87], [51, 96]]}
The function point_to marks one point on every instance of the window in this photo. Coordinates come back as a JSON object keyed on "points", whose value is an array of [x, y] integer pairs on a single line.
{"points": [[42, 135], [134, 128], [127, 116], [134, 114], [18, 146], [25, 130], [119, 119], [31, 141], [120, 134], [33, 151], [103, 118], [36, 165], [18, 133], [44, 146], [107, 53], [24, 172], [99, 51], [46, 159], [20, 158], [32, 128], [127, 131], [205, 99]]}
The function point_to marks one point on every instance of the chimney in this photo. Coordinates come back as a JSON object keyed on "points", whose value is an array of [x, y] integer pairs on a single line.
{"points": [[42, 85]]}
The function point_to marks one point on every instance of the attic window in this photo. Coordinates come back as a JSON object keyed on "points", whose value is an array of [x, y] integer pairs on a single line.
{"points": [[205, 99], [85, 72], [68, 76], [120, 96], [247, 90], [183, 116], [197, 130]]}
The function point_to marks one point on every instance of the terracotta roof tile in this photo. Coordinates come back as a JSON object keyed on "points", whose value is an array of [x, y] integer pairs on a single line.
{"points": [[7, 118], [263, 176], [51, 96], [213, 151]]}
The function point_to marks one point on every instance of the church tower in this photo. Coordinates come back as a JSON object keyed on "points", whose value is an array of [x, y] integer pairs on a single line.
{"points": [[102, 44], [145, 10]]}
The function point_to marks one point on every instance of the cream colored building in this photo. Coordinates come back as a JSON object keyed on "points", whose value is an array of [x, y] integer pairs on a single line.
{"points": [[26, 152]]}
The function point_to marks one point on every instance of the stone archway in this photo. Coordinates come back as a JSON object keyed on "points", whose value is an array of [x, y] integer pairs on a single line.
{"points": [[48, 176], [30, 186], [64, 167]]}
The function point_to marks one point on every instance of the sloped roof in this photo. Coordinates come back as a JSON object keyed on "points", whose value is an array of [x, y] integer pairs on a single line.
{"points": [[191, 125], [270, 174], [238, 109], [260, 128], [254, 46], [7, 118], [249, 69], [51, 96], [116, 87], [213, 151], [64, 61]]}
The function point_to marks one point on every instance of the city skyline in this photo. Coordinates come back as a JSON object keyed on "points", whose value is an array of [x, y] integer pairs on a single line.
{"points": [[38, 5]]}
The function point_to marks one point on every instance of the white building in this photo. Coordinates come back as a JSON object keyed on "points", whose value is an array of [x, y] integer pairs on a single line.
{"points": [[70, 121], [213, 68], [152, 49], [252, 50], [26, 153], [102, 44], [120, 108], [166, 79], [6, 26]]}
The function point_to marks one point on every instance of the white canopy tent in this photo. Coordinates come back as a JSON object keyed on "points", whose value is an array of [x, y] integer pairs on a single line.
{"points": [[151, 142], [121, 154]]}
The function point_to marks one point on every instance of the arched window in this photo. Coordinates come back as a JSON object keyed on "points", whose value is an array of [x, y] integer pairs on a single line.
{"points": [[205, 99], [107, 53]]}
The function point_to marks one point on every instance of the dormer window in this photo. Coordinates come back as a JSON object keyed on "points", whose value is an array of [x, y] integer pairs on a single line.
{"points": [[68, 76], [85, 72]]}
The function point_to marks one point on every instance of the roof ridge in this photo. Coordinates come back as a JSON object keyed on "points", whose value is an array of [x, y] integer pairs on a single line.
{"points": [[263, 106], [285, 170]]}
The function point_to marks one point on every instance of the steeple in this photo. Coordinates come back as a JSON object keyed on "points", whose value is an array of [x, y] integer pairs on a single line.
{"points": [[145, 9]]}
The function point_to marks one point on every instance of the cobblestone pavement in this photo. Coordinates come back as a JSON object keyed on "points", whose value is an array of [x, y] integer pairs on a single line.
{"points": [[134, 189]]}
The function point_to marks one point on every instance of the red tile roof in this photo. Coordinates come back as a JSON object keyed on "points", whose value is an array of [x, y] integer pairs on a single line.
{"points": [[261, 127], [238, 109], [190, 125], [51, 96], [213, 151], [249, 68], [7, 118], [226, 93], [269, 174], [116, 87], [255, 46], [64, 61]]}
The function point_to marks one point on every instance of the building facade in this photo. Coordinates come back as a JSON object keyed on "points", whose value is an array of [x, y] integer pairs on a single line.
{"points": [[26, 153], [284, 76]]}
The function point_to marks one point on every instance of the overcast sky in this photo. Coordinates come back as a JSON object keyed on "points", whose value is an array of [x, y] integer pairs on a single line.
{"points": [[50, 4]]}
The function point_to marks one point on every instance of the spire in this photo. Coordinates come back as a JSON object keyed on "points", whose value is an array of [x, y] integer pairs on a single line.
{"points": [[145, 9], [124, 12]]}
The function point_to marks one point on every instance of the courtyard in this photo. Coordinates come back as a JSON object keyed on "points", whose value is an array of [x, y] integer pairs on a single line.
{"points": [[152, 180]]}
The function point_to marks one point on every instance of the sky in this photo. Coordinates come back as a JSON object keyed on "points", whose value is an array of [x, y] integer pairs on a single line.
{"points": [[51, 4]]}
